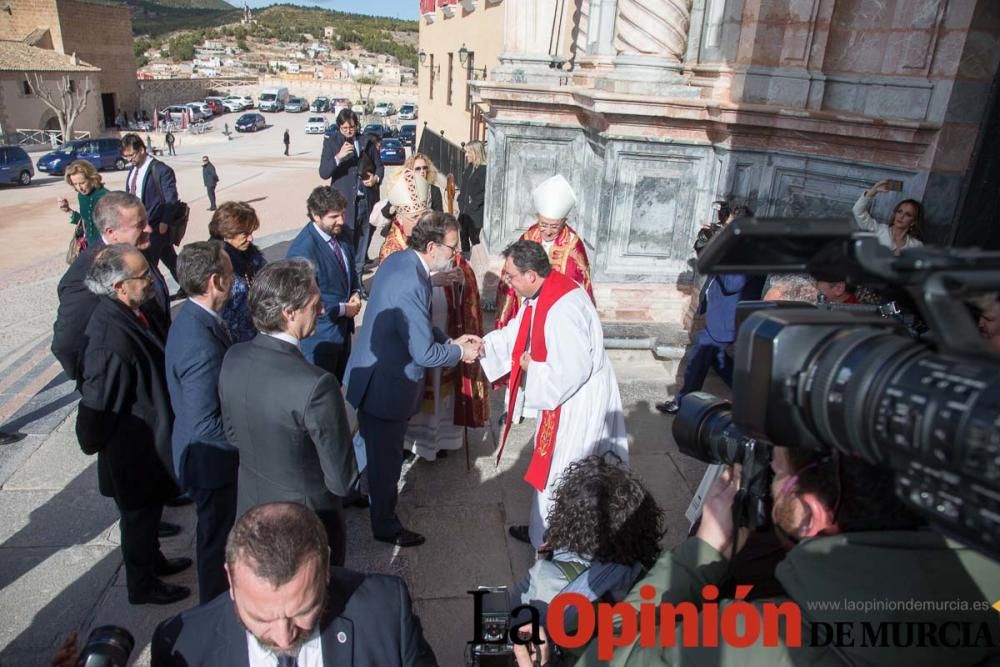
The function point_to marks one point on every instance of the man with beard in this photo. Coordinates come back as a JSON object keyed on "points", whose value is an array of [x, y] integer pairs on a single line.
{"points": [[288, 606], [125, 417]]}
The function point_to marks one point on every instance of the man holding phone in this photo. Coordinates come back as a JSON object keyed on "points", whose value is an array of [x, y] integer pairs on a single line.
{"points": [[355, 171]]}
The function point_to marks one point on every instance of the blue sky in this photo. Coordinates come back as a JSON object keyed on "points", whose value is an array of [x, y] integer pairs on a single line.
{"points": [[404, 9]]}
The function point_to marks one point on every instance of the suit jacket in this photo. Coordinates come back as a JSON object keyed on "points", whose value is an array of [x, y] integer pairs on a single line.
{"points": [[209, 175], [197, 343], [336, 285], [369, 622], [721, 296], [472, 198], [158, 209], [385, 373], [345, 177], [125, 414], [76, 303], [288, 420]]}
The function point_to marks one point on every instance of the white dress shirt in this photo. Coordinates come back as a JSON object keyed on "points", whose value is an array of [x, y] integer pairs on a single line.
{"points": [[310, 655], [139, 177], [281, 335]]}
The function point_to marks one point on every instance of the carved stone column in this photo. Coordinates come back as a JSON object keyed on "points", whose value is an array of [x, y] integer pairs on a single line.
{"points": [[532, 39], [594, 45], [651, 39]]}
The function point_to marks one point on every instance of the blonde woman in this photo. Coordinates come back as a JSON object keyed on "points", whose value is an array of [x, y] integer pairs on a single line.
{"points": [[472, 198], [422, 165], [84, 178]]}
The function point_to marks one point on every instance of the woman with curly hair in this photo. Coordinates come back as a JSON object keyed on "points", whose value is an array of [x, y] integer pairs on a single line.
{"points": [[604, 533], [903, 228], [84, 178], [422, 165], [235, 222]]}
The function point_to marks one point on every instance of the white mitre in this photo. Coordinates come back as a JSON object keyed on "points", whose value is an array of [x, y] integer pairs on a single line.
{"points": [[410, 193], [554, 198]]}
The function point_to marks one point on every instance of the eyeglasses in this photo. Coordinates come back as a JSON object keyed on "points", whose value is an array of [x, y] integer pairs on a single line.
{"points": [[128, 156], [453, 248], [145, 275], [421, 169], [509, 277], [345, 128]]}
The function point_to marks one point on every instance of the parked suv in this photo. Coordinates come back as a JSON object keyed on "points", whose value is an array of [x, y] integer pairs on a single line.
{"points": [[102, 153], [408, 135], [15, 165]]}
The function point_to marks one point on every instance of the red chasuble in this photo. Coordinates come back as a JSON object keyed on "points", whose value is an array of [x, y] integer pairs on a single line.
{"points": [[556, 286]]}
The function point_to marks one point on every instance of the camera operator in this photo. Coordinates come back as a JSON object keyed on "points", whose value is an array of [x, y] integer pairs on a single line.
{"points": [[849, 539]]}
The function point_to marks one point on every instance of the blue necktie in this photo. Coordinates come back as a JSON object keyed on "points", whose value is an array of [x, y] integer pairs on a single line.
{"points": [[287, 661]]}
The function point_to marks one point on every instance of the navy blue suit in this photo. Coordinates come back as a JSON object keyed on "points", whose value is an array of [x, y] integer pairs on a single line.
{"points": [[159, 196], [330, 345], [206, 464], [721, 295], [385, 374]]}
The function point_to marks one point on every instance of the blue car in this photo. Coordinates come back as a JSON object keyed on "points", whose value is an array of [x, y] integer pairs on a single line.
{"points": [[392, 152], [250, 122], [102, 153], [15, 165]]}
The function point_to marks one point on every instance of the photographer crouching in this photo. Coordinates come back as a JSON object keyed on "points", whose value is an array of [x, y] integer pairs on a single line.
{"points": [[872, 585]]}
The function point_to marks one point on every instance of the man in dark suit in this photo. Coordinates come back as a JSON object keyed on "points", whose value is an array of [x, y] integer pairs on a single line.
{"points": [[322, 243], [210, 178], [286, 416], [355, 170], [277, 559], [154, 183], [121, 219], [205, 463], [385, 374], [125, 417]]}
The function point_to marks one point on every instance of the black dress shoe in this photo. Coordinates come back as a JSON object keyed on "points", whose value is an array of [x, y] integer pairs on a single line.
{"points": [[669, 407], [11, 438], [404, 538], [520, 533], [169, 566], [168, 529], [408, 455], [159, 593], [178, 501], [358, 500], [442, 454]]}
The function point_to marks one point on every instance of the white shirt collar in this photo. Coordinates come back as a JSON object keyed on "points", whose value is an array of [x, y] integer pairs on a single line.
{"points": [[423, 263], [140, 176], [310, 655], [281, 335], [208, 310], [326, 237]]}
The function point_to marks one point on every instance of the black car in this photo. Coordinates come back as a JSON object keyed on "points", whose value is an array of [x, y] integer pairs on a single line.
{"points": [[392, 152], [250, 122], [382, 131], [408, 135]]}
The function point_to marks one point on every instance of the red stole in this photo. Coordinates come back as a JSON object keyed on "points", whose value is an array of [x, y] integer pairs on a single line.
{"points": [[556, 286]]}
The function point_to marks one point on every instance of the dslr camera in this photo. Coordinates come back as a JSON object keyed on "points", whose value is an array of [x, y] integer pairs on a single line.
{"points": [[860, 383]]}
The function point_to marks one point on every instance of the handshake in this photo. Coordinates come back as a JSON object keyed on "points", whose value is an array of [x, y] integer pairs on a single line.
{"points": [[472, 347]]}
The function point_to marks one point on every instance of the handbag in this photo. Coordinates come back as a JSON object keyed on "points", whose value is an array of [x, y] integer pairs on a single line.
{"points": [[176, 229], [77, 244]]}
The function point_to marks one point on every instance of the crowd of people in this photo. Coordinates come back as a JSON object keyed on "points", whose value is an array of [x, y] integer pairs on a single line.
{"points": [[260, 402]]}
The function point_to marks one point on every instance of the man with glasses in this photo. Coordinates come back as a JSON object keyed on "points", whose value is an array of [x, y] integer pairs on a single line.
{"points": [[554, 199], [355, 170], [125, 417], [154, 183], [386, 371], [553, 351]]}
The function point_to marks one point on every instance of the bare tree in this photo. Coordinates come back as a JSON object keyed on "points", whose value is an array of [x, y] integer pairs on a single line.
{"points": [[66, 98], [366, 93]]}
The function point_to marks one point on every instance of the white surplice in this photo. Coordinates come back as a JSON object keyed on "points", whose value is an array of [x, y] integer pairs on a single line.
{"points": [[576, 375]]}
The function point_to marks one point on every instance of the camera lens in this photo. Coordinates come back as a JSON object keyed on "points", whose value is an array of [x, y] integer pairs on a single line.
{"points": [[107, 646]]}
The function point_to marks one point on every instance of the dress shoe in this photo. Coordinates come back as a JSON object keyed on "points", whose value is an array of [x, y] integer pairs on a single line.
{"points": [[178, 501], [669, 407], [404, 538], [520, 533], [359, 500], [442, 454], [11, 438], [408, 455], [159, 593], [168, 529], [170, 566]]}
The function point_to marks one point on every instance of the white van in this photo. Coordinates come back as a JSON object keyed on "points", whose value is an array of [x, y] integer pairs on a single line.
{"points": [[272, 99]]}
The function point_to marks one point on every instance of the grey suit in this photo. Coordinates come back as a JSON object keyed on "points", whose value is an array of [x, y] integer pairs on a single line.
{"points": [[288, 420]]}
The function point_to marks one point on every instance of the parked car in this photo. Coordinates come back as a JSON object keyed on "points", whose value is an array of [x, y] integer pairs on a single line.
{"points": [[408, 135], [199, 110], [384, 109], [316, 125], [273, 99], [297, 105], [392, 152], [250, 122], [382, 131], [408, 112], [340, 104], [102, 153], [176, 111], [320, 105], [15, 165], [234, 104], [215, 103], [248, 101]]}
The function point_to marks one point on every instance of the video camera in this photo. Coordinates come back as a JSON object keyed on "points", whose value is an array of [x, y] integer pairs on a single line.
{"points": [[824, 379]]}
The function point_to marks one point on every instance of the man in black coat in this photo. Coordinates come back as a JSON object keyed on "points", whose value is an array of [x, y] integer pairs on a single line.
{"points": [[211, 179], [125, 417], [277, 559], [121, 218], [355, 170], [286, 416]]}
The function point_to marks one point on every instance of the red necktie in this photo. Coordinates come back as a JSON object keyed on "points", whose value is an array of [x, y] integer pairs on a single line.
{"points": [[520, 345], [142, 319]]}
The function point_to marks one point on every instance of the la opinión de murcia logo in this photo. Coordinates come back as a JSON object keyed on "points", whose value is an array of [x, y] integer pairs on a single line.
{"points": [[739, 624]]}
